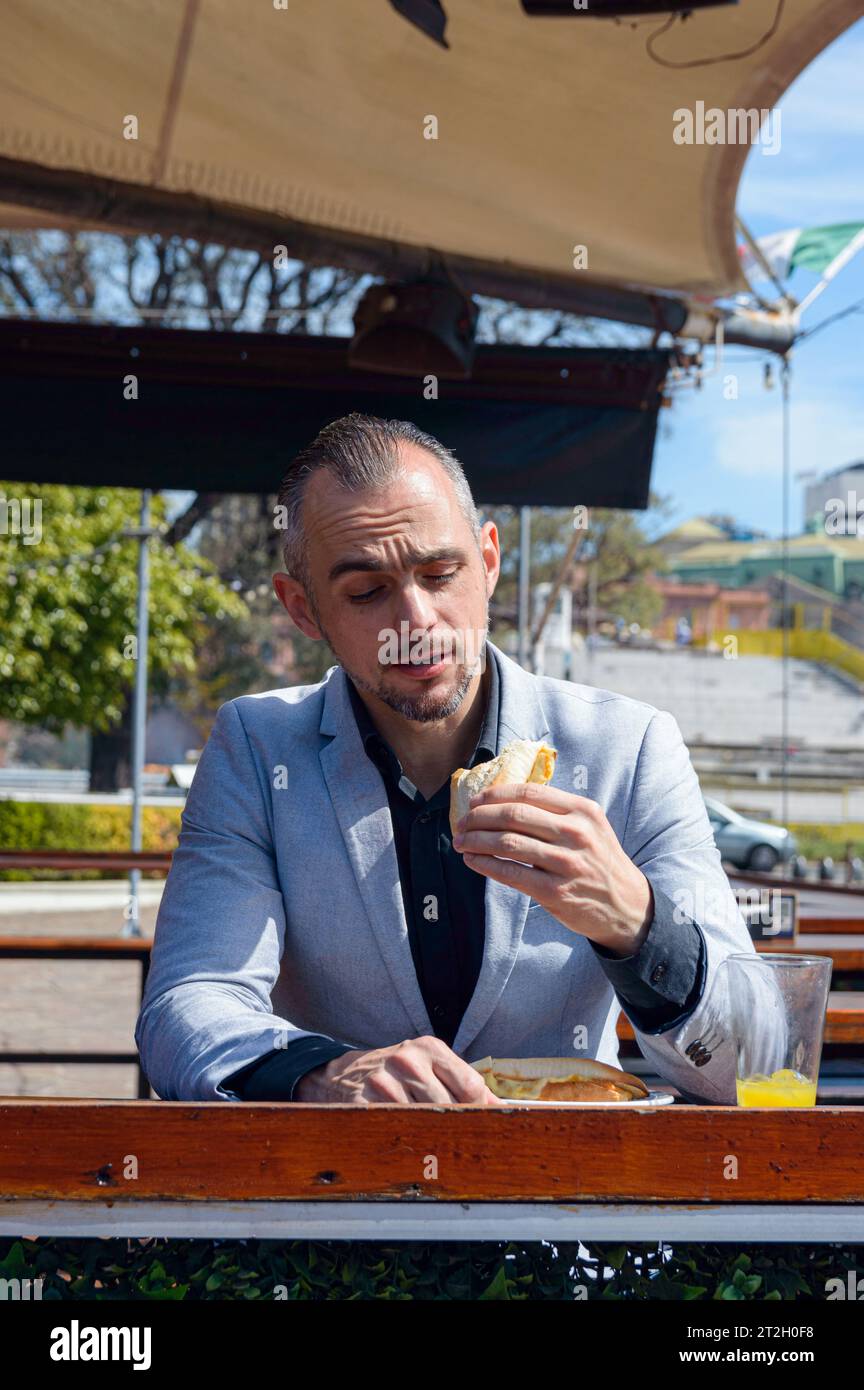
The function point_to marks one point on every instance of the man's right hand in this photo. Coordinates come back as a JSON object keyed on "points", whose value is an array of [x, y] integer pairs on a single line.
{"points": [[419, 1070]]}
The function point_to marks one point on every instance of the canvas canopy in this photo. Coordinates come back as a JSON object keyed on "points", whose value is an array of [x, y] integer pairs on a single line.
{"points": [[312, 119]]}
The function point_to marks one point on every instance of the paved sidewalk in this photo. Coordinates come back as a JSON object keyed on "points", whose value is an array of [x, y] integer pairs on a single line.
{"points": [[75, 1005]]}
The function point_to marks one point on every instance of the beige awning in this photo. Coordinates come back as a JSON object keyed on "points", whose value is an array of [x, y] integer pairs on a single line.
{"points": [[551, 133]]}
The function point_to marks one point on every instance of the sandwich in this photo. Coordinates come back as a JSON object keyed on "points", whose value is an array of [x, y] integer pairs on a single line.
{"points": [[558, 1078], [521, 761]]}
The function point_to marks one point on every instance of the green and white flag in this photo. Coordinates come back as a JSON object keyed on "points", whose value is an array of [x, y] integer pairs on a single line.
{"points": [[814, 248]]}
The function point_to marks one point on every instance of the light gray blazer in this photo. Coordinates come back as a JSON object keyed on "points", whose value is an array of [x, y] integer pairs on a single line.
{"points": [[282, 913]]}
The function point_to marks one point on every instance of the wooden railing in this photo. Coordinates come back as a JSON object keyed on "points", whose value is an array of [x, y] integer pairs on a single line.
{"points": [[71, 859], [127, 948]]}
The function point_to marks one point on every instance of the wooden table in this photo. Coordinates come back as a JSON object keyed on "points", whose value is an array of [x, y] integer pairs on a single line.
{"points": [[426, 1172]]}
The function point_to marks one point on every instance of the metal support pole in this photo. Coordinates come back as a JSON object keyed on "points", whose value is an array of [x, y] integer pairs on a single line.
{"points": [[132, 926], [525, 651], [784, 599]]}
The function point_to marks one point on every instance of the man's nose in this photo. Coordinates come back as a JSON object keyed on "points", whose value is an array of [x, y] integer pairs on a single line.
{"points": [[416, 607]]}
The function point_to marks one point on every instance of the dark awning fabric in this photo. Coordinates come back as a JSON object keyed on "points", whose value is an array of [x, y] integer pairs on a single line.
{"points": [[226, 412]]}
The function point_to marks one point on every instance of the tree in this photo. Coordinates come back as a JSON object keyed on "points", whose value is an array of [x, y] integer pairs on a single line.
{"points": [[68, 609], [176, 281], [614, 541]]}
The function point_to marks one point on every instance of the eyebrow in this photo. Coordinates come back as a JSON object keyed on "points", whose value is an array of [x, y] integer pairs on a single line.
{"points": [[353, 563]]}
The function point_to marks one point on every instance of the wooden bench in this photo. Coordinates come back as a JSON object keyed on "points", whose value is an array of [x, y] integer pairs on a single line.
{"points": [[127, 948], [426, 1172], [839, 937], [845, 950], [844, 1022]]}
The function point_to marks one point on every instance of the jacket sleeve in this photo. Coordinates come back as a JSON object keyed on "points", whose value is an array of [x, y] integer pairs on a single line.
{"points": [[668, 836], [220, 932]]}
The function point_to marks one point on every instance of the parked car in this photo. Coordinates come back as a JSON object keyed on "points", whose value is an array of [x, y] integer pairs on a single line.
{"points": [[748, 844]]}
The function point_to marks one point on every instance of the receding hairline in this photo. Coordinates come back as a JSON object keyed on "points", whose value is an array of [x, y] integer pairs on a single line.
{"points": [[399, 467], [401, 473], [396, 449]]}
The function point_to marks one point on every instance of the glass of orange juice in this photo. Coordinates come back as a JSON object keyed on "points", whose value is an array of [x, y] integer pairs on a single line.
{"points": [[777, 1004]]}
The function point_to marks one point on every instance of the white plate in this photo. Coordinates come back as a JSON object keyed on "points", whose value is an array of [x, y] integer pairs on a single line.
{"points": [[652, 1098]]}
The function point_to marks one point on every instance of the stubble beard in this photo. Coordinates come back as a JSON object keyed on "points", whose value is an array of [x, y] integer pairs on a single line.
{"points": [[426, 707]]}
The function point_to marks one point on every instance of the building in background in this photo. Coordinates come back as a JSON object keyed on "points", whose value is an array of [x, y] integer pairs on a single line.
{"points": [[709, 608], [832, 563], [839, 485]]}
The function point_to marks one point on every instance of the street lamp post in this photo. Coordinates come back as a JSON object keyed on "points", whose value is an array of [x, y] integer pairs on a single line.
{"points": [[132, 925], [525, 652]]}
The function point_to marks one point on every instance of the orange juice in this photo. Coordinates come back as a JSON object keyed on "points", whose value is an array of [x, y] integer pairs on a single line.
{"points": [[784, 1087]]}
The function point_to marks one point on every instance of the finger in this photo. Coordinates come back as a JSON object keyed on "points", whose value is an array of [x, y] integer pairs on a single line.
{"points": [[523, 818], [536, 794], [428, 1090], [508, 845], [464, 1084], [492, 1099], [537, 883], [383, 1088]]}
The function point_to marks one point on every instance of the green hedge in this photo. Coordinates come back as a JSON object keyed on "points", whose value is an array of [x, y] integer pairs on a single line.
{"points": [[52, 825], [109, 1268], [816, 840]]}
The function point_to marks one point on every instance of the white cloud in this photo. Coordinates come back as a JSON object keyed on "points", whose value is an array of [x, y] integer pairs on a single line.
{"points": [[824, 434], [818, 175]]}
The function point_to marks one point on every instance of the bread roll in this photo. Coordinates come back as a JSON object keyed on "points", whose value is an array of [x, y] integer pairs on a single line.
{"points": [[520, 761], [558, 1078]]}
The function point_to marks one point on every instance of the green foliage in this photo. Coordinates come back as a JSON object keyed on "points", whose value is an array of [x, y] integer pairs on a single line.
{"points": [[614, 556], [815, 841], [67, 608], [52, 825], [299, 1270]]}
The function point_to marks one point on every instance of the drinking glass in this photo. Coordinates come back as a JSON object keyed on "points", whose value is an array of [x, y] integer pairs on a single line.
{"points": [[777, 1004]]}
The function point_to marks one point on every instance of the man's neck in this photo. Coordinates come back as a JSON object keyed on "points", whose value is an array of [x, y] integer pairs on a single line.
{"points": [[429, 752]]}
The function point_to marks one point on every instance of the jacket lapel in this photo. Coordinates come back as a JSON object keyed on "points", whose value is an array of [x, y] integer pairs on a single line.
{"points": [[361, 807], [360, 803], [520, 715]]}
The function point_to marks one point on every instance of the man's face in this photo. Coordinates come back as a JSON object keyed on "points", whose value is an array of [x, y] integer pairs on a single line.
{"points": [[397, 581]]}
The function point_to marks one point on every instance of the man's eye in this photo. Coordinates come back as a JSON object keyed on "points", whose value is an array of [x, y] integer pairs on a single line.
{"points": [[433, 578]]}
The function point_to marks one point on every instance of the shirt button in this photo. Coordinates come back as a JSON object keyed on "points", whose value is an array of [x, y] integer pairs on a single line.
{"points": [[657, 973], [438, 1011], [424, 818]]}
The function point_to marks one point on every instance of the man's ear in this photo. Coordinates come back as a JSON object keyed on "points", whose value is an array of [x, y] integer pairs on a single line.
{"points": [[490, 551], [292, 596]]}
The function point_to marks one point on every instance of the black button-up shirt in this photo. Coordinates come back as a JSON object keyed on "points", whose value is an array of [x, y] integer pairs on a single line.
{"points": [[444, 903]]}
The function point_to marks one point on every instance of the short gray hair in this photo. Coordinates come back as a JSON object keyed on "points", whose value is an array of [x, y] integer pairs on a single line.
{"points": [[360, 452]]}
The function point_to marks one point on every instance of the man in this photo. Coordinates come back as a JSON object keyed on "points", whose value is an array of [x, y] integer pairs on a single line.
{"points": [[322, 937]]}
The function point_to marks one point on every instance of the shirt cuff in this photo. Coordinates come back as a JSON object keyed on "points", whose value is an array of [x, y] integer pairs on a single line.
{"points": [[659, 985], [275, 1075]]}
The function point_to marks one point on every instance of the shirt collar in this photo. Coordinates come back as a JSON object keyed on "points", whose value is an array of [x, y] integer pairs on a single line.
{"points": [[487, 744]]}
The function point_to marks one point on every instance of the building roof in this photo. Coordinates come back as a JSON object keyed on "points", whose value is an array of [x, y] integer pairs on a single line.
{"points": [[695, 530], [735, 552], [844, 468]]}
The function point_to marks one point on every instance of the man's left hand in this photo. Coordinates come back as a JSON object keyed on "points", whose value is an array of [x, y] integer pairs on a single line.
{"points": [[570, 861]]}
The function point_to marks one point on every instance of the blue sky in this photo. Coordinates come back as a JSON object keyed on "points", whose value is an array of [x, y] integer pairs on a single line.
{"points": [[716, 455]]}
